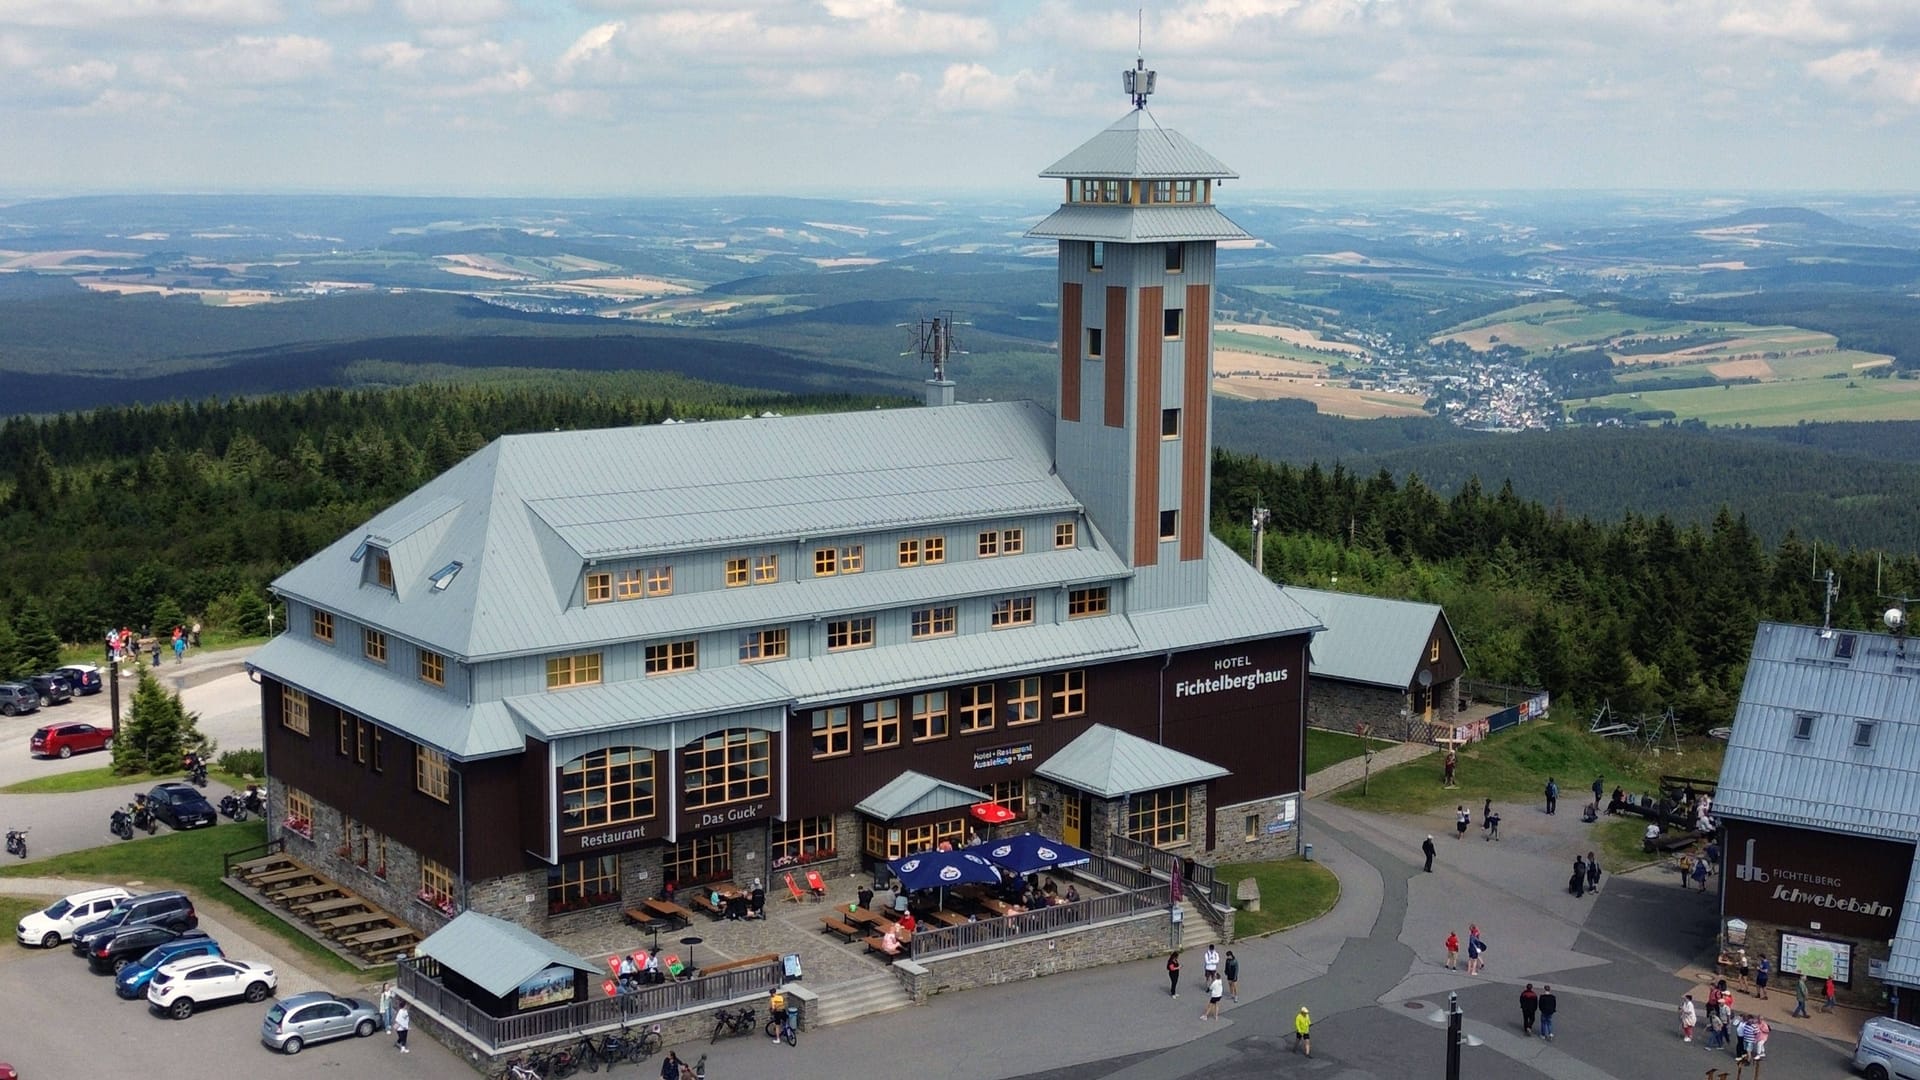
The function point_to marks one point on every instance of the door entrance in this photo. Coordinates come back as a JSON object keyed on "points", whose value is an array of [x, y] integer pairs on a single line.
{"points": [[1072, 809]]}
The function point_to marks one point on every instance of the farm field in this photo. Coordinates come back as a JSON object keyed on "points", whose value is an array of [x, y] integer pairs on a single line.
{"points": [[1330, 399], [1776, 404], [1540, 328]]}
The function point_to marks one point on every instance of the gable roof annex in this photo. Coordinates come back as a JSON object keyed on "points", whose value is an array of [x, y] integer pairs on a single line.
{"points": [[494, 954], [1108, 763], [1370, 639]]}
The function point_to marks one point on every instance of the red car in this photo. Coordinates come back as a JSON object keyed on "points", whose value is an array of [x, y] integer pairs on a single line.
{"points": [[66, 740]]}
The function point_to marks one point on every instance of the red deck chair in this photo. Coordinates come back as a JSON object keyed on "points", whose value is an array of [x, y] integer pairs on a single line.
{"points": [[793, 890], [815, 883]]}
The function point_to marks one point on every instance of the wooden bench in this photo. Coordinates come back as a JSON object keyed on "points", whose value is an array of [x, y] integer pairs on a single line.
{"points": [[380, 936], [314, 909], [353, 919], [878, 944], [295, 876], [840, 928], [640, 917], [745, 962], [262, 865], [705, 903], [1668, 844], [671, 912], [294, 894], [387, 953]]}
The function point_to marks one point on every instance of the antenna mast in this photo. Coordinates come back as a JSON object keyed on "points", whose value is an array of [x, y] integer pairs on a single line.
{"points": [[935, 344], [1139, 81], [1829, 593]]}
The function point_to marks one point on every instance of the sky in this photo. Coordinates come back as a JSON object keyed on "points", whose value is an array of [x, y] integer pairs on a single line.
{"points": [[915, 97]]}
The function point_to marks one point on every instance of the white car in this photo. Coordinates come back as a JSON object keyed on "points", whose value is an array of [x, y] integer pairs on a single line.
{"points": [[56, 923], [184, 985]]}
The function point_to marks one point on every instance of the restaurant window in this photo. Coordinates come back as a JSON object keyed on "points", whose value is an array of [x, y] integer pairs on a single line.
{"points": [[933, 549], [1158, 818], [1013, 611], [599, 587], [433, 667], [1169, 423], [660, 581], [1176, 257], [383, 571], [1070, 693], [832, 732], [295, 709], [431, 775], [699, 859], [803, 841], [928, 837], [929, 715], [933, 622], [880, 724], [1063, 535], [728, 766], [976, 708], [766, 569], [854, 633], [671, 656], [1011, 794], [1094, 342], [757, 645], [1087, 603], [736, 572], [607, 787], [300, 812], [436, 882], [909, 553], [885, 842], [1023, 701], [373, 643], [578, 884], [989, 543], [582, 669], [323, 626]]}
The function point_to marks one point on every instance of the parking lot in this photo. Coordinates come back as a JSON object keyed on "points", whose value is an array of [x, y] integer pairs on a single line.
{"points": [[63, 1021]]}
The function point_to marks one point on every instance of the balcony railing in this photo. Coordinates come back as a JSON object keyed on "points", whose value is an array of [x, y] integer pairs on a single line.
{"points": [[931, 942]]}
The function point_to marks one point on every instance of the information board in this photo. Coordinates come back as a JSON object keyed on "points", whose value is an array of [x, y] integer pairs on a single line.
{"points": [[1816, 958]]}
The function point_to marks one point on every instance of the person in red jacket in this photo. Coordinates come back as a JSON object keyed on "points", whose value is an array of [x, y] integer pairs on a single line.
{"points": [[1453, 948]]}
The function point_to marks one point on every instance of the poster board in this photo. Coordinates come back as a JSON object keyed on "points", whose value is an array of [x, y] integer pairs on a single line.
{"points": [[552, 986], [1816, 958]]}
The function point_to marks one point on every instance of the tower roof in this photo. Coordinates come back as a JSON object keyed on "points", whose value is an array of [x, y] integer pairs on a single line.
{"points": [[1130, 151]]}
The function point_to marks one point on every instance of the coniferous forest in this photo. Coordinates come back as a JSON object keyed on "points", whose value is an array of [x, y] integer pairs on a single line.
{"points": [[150, 515]]}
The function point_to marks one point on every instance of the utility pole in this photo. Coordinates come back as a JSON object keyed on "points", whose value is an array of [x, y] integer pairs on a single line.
{"points": [[113, 686], [1454, 1037], [1262, 517]]}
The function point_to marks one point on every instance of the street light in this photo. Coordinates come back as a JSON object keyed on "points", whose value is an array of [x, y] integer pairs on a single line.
{"points": [[1453, 1037]]}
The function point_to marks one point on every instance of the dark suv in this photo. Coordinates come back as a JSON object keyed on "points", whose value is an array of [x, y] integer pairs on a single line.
{"points": [[53, 689], [109, 954], [84, 678], [18, 699], [170, 909]]}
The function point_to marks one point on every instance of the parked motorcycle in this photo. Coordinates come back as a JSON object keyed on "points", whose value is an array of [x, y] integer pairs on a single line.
{"points": [[231, 806], [143, 818], [121, 823], [17, 842], [196, 770], [256, 799]]}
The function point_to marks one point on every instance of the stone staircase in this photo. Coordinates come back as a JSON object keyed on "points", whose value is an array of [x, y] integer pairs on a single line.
{"points": [[1195, 931], [861, 997]]}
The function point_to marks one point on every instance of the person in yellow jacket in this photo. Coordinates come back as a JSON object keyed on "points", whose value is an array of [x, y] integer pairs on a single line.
{"points": [[1301, 1023]]}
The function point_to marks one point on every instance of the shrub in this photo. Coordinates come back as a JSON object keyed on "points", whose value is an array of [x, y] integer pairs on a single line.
{"points": [[243, 763]]}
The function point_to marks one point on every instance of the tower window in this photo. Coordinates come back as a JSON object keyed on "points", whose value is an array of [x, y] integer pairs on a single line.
{"points": [[1169, 423], [1096, 255], [1169, 524], [1162, 191], [1183, 191], [1170, 322], [1176, 255], [1093, 343]]}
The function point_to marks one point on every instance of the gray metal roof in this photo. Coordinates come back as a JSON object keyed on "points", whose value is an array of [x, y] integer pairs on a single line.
{"points": [[529, 510], [1825, 781], [423, 713], [1241, 606], [1370, 639], [1903, 961], [944, 661], [913, 793], [494, 954], [1137, 148], [1137, 224], [635, 702], [1109, 763]]}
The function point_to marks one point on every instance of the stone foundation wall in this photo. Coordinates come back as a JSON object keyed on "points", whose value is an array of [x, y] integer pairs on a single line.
{"points": [[1864, 991], [1230, 843], [1031, 958], [1343, 706]]}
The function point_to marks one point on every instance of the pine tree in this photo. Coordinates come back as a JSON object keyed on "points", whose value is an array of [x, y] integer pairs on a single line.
{"points": [[37, 647], [251, 613], [152, 738]]}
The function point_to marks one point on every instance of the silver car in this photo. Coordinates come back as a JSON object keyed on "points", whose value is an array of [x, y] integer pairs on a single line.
{"points": [[317, 1016]]}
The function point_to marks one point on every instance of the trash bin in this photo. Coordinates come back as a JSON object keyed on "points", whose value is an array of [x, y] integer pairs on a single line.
{"points": [[1306, 850]]}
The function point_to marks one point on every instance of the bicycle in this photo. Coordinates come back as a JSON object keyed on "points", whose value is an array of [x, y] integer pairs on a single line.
{"points": [[587, 1053], [731, 1023], [625, 1045], [779, 1027], [515, 1070]]}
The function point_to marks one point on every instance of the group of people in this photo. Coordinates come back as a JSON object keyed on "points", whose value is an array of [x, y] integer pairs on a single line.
{"points": [[1747, 1035], [1476, 948], [123, 645], [1586, 875], [1539, 1007]]}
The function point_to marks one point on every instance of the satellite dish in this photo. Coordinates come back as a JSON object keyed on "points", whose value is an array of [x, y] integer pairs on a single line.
{"points": [[1426, 677], [1894, 618]]}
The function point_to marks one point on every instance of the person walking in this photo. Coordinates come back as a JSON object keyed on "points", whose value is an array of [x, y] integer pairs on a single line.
{"points": [[1593, 873], [402, 1020], [1747, 1032], [1761, 1033], [1426, 848], [1476, 948], [1599, 786], [1529, 1005], [1493, 824], [1686, 865], [1215, 991], [1302, 1031], [386, 1005], [1800, 997], [1553, 795], [1700, 873], [1210, 963], [1548, 1006], [1577, 884], [1827, 1005], [1461, 820], [1688, 1017], [670, 1068], [1233, 976], [1173, 974], [1453, 949]]}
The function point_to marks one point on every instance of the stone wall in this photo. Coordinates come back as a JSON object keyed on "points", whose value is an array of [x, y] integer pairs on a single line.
{"points": [[1864, 991], [1115, 942], [1230, 842], [1344, 706]]}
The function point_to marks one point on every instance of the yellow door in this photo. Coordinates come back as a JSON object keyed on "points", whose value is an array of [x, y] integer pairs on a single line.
{"points": [[1070, 820]]}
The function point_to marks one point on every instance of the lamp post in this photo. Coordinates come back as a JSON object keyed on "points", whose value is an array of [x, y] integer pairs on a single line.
{"points": [[1366, 756], [1453, 1037]]}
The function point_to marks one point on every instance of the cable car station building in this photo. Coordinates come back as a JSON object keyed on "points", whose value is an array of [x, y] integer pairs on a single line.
{"points": [[579, 665]]}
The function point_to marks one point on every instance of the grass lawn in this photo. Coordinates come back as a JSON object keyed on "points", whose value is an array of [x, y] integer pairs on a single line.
{"points": [[187, 860], [94, 779], [1512, 768], [94, 652], [1619, 840], [1292, 891], [1326, 748], [13, 908]]}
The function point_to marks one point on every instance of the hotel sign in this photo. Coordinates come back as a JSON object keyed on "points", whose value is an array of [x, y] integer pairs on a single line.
{"points": [[1003, 755], [1231, 673]]}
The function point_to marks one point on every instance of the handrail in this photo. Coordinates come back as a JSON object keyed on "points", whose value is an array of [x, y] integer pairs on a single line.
{"points": [[275, 846], [929, 942]]}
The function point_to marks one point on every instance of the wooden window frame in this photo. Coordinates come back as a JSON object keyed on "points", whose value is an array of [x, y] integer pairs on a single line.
{"points": [[1070, 694], [1013, 541], [598, 588], [832, 731], [432, 774], [933, 550], [1159, 818], [737, 573], [383, 571], [1012, 611], [1090, 602], [436, 880], [433, 668], [928, 837], [296, 710], [848, 634], [1066, 534], [909, 552], [766, 569], [929, 716], [759, 646], [975, 711], [624, 778], [802, 840], [1022, 700], [885, 841], [588, 881], [379, 749], [300, 812], [373, 645], [1433, 651], [853, 558], [879, 724], [629, 584], [826, 562], [1011, 794], [698, 859], [721, 754], [988, 546], [574, 669], [934, 622], [660, 581], [343, 742], [1161, 191], [360, 739], [323, 626], [672, 657], [1186, 191]]}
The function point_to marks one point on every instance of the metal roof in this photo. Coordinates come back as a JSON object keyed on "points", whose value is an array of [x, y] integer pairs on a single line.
{"points": [[494, 954], [944, 661], [1129, 150], [1109, 763], [1903, 961], [636, 702], [1241, 605], [1826, 781], [1370, 639], [423, 713], [1137, 224], [913, 793]]}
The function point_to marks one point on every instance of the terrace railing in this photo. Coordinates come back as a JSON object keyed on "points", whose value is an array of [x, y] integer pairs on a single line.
{"points": [[928, 942]]}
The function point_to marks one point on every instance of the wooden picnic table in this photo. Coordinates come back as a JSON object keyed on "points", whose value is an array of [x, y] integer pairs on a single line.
{"points": [[997, 906], [262, 865], [353, 919], [668, 910], [298, 893], [282, 877], [313, 909], [377, 937], [872, 920], [948, 918]]}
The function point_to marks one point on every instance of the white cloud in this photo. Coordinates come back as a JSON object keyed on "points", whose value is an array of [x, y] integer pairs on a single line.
{"points": [[85, 75], [455, 12], [93, 14], [343, 7], [250, 60], [974, 87], [1799, 21], [393, 55], [1871, 73], [17, 52], [588, 46]]}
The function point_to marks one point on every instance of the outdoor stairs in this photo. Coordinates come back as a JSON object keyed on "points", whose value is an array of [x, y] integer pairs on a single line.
{"points": [[861, 997], [1195, 931]]}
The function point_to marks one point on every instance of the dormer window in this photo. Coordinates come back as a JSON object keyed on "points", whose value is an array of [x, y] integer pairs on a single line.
{"points": [[383, 571], [1803, 725], [1863, 733]]}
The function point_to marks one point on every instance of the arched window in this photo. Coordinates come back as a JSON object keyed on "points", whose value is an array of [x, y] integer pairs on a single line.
{"points": [[607, 787]]}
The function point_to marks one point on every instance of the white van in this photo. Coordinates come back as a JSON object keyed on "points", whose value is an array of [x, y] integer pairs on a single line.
{"points": [[1888, 1050], [58, 922]]}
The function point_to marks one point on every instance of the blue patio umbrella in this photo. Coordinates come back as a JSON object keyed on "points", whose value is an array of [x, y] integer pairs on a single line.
{"points": [[1029, 852], [939, 869]]}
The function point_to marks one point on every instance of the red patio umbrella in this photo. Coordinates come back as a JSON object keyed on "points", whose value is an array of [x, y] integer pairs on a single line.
{"points": [[993, 813]]}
